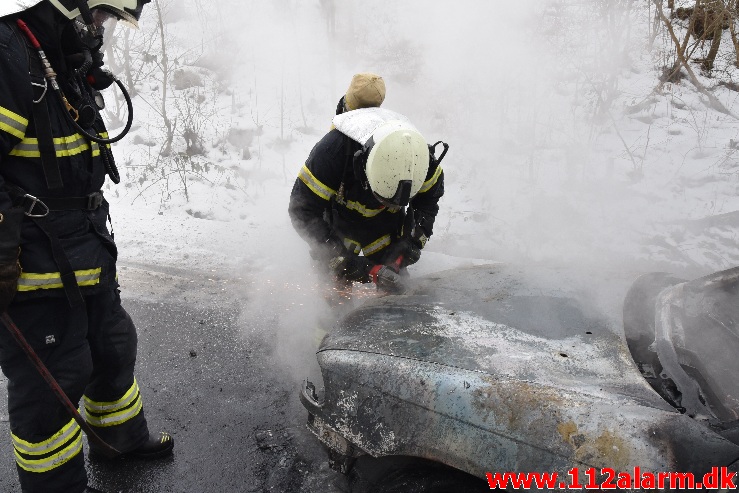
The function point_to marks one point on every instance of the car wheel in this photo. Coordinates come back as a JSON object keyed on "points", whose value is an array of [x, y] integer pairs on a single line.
{"points": [[428, 480]]}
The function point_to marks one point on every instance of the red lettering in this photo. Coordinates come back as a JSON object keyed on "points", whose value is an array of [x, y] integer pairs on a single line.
{"points": [[727, 479], [545, 480], [661, 479], [517, 481], [624, 481], [495, 481], [610, 475], [718, 478], [710, 479], [682, 480], [574, 474], [647, 481], [590, 473]]}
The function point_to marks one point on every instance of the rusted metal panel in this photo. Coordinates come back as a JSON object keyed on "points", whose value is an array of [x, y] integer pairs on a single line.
{"points": [[393, 406], [489, 369]]}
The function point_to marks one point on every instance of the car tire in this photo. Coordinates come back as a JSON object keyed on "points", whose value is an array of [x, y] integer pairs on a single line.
{"points": [[430, 480]]}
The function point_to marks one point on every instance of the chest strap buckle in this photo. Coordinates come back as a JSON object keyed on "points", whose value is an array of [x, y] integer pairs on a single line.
{"points": [[29, 204], [94, 200]]}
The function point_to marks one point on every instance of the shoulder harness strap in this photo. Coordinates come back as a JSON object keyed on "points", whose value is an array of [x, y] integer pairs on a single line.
{"points": [[348, 167], [41, 117]]}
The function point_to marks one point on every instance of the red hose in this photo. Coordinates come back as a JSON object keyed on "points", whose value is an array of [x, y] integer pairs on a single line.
{"points": [[24, 27]]}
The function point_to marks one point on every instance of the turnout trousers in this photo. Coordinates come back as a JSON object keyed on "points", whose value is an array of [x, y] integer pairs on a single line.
{"points": [[91, 351]]}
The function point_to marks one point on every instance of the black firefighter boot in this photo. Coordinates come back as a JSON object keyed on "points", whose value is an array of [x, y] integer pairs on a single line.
{"points": [[156, 447]]}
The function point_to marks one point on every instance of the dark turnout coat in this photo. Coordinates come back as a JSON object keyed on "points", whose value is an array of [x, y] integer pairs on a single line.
{"points": [[82, 233]]}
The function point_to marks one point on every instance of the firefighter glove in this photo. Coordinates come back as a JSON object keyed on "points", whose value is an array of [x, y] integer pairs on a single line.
{"points": [[386, 279], [404, 253], [352, 267], [10, 269]]}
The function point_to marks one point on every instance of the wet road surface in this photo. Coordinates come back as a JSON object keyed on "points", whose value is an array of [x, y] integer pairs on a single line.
{"points": [[209, 376]]}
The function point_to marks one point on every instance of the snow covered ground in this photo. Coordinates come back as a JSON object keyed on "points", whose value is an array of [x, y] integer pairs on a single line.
{"points": [[562, 150]]}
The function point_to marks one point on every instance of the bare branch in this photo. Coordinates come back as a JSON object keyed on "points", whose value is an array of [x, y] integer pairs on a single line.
{"points": [[713, 100]]}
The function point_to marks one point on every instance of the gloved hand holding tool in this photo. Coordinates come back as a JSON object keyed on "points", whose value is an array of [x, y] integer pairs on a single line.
{"points": [[352, 267], [386, 279], [10, 269], [403, 253], [407, 250]]}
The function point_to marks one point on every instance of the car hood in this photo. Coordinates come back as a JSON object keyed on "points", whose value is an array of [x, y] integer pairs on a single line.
{"points": [[501, 321]]}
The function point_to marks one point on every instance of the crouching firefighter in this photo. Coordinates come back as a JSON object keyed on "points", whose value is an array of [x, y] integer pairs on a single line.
{"points": [[57, 258], [371, 186]]}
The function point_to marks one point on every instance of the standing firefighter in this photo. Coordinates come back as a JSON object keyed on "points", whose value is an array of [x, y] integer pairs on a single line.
{"points": [[370, 186], [57, 258]]}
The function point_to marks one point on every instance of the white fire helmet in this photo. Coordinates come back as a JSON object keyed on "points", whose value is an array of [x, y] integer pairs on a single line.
{"points": [[125, 10], [397, 163]]}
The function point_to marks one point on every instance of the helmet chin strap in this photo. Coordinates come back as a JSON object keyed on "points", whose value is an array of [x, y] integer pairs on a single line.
{"points": [[85, 11], [86, 15]]}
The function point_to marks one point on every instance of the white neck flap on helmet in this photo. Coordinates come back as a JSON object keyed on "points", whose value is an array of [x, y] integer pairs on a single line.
{"points": [[125, 10], [360, 124], [397, 158], [8, 7]]}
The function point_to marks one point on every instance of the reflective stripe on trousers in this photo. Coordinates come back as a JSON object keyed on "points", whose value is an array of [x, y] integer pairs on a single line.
{"points": [[51, 453], [102, 414]]}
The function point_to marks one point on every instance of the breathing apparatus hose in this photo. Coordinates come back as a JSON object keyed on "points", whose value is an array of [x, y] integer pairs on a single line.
{"points": [[51, 78], [95, 138]]}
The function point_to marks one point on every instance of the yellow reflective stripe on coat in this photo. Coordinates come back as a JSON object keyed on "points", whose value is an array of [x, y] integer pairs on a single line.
{"points": [[12, 123], [315, 184], [431, 181], [113, 413], [29, 281], [363, 210], [352, 246], [64, 146], [376, 245], [51, 453]]}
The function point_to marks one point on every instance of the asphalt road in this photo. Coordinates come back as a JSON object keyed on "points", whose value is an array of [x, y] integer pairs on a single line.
{"points": [[210, 375]]}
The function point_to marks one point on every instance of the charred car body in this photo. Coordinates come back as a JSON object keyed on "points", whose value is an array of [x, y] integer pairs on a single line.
{"points": [[491, 369]]}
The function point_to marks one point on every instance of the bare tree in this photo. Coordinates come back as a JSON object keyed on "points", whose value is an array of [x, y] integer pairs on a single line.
{"points": [[165, 68], [683, 59], [732, 10]]}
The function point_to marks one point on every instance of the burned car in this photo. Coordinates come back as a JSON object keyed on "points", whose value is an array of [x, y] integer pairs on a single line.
{"points": [[495, 369]]}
